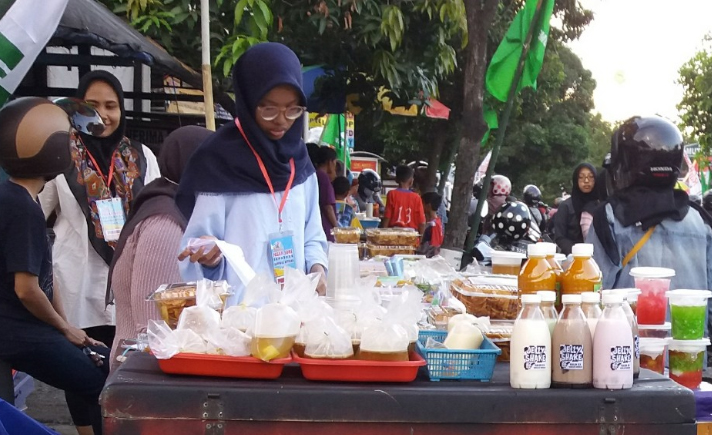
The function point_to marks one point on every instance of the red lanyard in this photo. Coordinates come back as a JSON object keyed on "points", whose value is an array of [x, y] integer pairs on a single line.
{"points": [[280, 207], [107, 181]]}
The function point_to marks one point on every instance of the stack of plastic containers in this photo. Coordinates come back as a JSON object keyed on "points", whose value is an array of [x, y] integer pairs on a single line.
{"points": [[688, 310]]}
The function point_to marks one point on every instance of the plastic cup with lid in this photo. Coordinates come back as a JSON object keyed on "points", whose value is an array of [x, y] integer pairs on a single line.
{"points": [[655, 331], [652, 354], [687, 359], [653, 283], [688, 309], [506, 263]]}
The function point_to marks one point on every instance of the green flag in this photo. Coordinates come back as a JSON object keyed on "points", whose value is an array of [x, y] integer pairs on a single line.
{"points": [[25, 28], [334, 136], [500, 73]]}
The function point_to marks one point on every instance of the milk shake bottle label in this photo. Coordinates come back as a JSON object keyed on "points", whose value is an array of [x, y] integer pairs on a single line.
{"points": [[535, 358], [571, 356], [621, 358], [636, 345]]}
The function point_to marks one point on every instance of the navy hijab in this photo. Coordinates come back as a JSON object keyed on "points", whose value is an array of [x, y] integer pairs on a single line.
{"points": [[224, 163]]}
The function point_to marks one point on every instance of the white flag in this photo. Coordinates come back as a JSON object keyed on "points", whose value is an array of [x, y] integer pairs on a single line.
{"points": [[25, 28]]}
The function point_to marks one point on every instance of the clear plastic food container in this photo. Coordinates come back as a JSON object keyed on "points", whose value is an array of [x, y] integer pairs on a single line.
{"points": [[393, 237]]}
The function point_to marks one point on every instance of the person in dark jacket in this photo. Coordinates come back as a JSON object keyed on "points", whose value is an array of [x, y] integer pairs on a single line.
{"points": [[568, 219]]}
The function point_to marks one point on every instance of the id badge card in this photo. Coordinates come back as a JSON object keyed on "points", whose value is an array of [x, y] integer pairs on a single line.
{"points": [[111, 217], [281, 252]]}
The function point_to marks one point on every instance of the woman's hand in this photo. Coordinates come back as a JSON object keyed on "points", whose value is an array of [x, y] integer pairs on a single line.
{"points": [[321, 287], [211, 258]]}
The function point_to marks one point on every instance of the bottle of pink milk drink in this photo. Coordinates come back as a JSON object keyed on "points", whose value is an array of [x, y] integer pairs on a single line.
{"points": [[530, 347], [613, 350]]}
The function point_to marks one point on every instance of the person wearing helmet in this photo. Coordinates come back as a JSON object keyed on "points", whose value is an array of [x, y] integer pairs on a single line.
{"points": [[646, 222], [369, 186], [573, 217], [511, 231], [538, 210], [499, 192], [37, 338]]}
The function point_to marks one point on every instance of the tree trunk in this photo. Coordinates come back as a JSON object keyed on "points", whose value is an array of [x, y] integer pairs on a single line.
{"points": [[479, 19], [438, 140]]}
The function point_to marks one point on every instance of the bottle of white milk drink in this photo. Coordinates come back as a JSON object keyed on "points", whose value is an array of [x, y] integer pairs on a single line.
{"points": [[613, 351], [530, 353], [571, 347]]}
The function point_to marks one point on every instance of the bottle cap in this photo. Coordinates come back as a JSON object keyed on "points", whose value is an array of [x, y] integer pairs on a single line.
{"points": [[591, 297], [612, 297], [531, 299], [582, 250], [571, 299], [536, 250], [547, 295], [550, 248]]}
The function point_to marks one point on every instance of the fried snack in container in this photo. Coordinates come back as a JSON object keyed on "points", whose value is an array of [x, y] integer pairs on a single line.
{"points": [[388, 251], [393, 237], [171, 299], [348, 235], [484, 295]]}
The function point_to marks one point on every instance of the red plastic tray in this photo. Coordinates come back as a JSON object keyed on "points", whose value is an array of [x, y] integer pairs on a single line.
{"points": [[246, 367], [351, 370]]}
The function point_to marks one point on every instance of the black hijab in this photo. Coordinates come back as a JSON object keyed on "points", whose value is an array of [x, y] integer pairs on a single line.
{"points": [[583, 201], [225, 163], [102, 149], [158, 197]]}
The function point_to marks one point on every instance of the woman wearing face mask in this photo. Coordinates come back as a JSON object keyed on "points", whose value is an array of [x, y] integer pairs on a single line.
{"points": [[574, 215], [252, 183], [107, 173]]}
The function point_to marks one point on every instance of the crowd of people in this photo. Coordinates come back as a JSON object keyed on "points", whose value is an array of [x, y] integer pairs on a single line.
{"points": [[66, 308]]}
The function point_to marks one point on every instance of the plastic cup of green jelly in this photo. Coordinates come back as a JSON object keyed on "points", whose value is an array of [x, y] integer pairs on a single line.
{"points": [[687, 313]]}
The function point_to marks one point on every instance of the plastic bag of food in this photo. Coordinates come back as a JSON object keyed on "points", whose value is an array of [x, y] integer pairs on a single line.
{"points": [[310, 312], [228, 341], [210, 293], [407, 311], [298, 288], [242, 316], [326, 339], [276, 327], [199, 319], [369, 310], [165, 343], [384, 341]]}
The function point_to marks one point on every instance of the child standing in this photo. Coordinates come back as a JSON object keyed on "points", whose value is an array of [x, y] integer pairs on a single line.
{"points": [[433, 235], [344, 210], [403, 207]]}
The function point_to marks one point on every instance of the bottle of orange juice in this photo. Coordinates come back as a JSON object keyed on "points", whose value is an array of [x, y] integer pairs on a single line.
{"points": [[550, 257], [536, 274], [583, 275]]}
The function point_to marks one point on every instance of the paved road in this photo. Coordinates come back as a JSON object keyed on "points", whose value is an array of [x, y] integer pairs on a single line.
{"points": [[46, 405]]}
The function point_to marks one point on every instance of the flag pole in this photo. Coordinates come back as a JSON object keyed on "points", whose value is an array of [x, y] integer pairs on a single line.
{"points": [[207, 71], [470, 243]]}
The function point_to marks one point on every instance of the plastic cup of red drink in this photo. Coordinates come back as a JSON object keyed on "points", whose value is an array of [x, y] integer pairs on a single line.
{"points": [[653, 283]]}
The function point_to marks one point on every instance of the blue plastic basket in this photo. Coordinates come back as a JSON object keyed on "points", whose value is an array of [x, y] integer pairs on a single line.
{"points": [[475, 365]]}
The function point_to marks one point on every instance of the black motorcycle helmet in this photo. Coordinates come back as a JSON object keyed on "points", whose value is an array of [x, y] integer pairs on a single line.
{"points": [[707, 201], [369, 179], [34, 138], [512, 220], [646, 151], [532, 195]]}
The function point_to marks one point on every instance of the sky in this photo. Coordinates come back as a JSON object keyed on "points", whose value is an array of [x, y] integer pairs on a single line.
{"points": [[634, 49]]}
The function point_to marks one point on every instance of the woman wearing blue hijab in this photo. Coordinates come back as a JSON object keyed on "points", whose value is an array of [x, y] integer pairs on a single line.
{"points": [[252, 183]]}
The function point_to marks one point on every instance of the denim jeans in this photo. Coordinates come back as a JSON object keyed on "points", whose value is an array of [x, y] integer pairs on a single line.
{"points": [[64, 366]]}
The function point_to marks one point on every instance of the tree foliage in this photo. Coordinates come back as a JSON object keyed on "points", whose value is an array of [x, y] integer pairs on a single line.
{"points": [[695, 109]]}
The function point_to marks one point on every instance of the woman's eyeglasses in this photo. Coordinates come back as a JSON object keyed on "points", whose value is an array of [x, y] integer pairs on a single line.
{"points": [[586, 178], [270, 113]]}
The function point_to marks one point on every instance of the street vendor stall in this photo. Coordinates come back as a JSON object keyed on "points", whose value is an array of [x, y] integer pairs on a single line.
{"points": [[140, 399]]}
